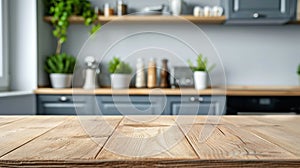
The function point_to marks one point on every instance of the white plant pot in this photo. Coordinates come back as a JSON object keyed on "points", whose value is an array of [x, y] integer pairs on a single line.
{"points": [[61, 80], [120, 81], [200, 79]]}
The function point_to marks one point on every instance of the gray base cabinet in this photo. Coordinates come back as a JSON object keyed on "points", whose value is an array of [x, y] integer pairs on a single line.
{"points": [[127, 105], [131, 105], [65, 105], [193, 105]]}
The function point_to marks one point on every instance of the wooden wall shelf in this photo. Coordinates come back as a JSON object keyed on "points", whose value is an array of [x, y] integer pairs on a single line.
{"points": [[156, 18], [229, 91]]}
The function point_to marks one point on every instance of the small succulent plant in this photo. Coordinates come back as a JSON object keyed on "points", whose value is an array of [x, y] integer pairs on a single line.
{"points": [[60, 63], [116, 66], [202, 64]]}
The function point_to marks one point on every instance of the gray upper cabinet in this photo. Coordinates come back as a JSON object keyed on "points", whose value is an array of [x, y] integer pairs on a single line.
{"points": [[260, 11]]}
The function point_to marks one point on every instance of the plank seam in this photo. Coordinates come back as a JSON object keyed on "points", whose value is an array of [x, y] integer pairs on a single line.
{"points": [[108, 138], [191, 144]]}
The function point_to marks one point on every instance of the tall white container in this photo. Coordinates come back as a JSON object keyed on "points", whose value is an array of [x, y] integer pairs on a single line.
{"points": [[91, 81], [140, 80], [200, 79]]}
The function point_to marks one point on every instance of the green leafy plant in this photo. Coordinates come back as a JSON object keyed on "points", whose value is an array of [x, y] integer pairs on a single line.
{"points": [[298, 70], [60, 63], [202, 64], [119, 67], [62, 10]]}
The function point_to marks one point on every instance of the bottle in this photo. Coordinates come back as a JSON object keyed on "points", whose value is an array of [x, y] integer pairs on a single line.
{"points": [[151, 83], [106, 10], [140, 81], [121, 8], [164, 74]]}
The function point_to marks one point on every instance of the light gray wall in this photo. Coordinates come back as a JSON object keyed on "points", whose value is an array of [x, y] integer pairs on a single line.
{"points": [[22, 57], [23, 45], [251, 55]]}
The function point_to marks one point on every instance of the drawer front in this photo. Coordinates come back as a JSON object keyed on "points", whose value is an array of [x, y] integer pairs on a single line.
{"points": [[133, 105], [65, 105], [194, 105], [194, 109]]}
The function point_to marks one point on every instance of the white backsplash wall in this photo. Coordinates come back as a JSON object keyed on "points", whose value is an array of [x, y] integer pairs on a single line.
{"points": [[252, 55]]}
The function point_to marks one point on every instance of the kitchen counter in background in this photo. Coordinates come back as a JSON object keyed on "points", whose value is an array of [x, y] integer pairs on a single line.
{"points": [[230, 141], [230, 91]]}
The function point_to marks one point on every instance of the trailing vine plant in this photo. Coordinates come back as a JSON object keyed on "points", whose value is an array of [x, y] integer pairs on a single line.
{"points": [[62, 10]]}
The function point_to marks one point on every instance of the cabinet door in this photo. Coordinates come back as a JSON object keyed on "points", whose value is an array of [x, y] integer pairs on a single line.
{"points": [[193, 105], [65, 105], [130, 105], [256, 9]]}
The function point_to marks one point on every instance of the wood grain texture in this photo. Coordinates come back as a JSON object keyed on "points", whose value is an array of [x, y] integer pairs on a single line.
{"points": [[282, 131], [157, 163], [68, 141], [228, 141], [229, 91], [18, 133], [103, 19], [4, 120], [232, 144], [160, 138]]}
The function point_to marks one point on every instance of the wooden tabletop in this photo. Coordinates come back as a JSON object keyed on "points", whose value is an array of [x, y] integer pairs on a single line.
{"points": [[229, 91], [89, 141]]}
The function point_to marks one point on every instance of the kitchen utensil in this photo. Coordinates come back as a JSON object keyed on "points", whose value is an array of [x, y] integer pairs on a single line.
{"points": [[181, 76]]}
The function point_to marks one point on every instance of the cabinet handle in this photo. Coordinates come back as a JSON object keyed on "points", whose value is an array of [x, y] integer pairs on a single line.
{"points": [[256, 15], [63, 99], [192, 99], [201, 99]]}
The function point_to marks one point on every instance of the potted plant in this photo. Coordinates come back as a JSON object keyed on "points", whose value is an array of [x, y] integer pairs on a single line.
{"points": [[120, 73], [60, 65], [200, 72]]}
